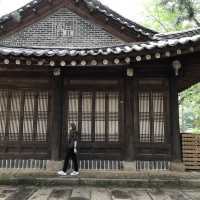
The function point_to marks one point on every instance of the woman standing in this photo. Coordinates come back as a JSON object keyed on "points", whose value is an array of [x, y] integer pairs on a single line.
{"points": [[71, 152]]}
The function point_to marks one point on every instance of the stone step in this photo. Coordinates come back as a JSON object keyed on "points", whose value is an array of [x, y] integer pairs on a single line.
{"points": [[123, 182], [104, 179]]}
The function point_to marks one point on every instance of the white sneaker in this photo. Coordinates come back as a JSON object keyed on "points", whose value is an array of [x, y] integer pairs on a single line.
{"points": [[74, 173], [61, 173]]}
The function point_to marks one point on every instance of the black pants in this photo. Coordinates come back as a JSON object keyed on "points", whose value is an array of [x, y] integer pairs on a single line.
{"points": [[70, 154]]}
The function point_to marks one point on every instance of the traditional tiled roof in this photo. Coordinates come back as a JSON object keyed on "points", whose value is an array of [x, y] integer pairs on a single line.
{"points": [[90, 4], [123, 54], [180, 34], [158, 46], [132, 47]]}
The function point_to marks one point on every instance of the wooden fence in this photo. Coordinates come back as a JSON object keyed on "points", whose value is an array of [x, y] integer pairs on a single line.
{"points": [[191, 151]]}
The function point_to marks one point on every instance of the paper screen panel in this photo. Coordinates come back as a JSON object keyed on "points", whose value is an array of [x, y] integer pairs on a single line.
{"points": [[86, 130], [42, 118], [13, 130], [28, 116], [3, 113], [144, 117], [100, 117], [113, 116]]}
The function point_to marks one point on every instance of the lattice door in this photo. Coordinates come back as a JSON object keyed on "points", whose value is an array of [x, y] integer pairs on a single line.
{"points": [[152, 117], [96, 114]]}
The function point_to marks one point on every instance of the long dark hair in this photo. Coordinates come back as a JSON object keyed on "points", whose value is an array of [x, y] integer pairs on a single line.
{"points": [[73, 126]]}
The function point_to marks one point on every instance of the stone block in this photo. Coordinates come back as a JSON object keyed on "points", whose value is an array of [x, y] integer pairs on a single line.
{"points": [[129, 166], [177, 166], [54, 165]]}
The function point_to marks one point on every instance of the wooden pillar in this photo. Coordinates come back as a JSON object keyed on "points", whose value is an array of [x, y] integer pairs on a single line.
{"points": [[174, 119], [129, 121], [56, 116]]}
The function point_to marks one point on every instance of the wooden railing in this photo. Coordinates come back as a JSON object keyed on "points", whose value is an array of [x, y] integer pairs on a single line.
{"points": [[191, 151]]}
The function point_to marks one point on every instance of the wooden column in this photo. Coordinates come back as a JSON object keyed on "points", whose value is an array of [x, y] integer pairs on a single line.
{"points": [[174, 119], [129, 121], [56, 116]]}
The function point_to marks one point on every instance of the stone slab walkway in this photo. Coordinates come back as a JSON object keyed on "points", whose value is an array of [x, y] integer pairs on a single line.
{"points": [[92, 193]]}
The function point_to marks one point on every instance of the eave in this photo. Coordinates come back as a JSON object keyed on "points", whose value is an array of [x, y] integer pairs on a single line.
{"points": [[115, 55]]}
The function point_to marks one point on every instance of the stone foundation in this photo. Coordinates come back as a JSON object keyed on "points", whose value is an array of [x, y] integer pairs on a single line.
{"points": [[54, 165], [177, 166], [129, 166]]}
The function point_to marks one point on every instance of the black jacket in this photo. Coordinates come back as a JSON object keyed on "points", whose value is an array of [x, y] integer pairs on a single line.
{"points": [[73, 136]]}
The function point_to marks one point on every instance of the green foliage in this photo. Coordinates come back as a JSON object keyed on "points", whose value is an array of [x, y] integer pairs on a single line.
{"points": [[190, 109], [176, 15], [172, 15], [188, 9]]}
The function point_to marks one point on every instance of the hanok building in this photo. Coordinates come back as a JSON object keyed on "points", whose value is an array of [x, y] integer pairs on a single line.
{"points": [[64, 61]]}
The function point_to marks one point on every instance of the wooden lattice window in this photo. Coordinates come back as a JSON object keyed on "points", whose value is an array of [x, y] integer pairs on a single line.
{"points": [[152, 117], [96, 114], [24, 115]]}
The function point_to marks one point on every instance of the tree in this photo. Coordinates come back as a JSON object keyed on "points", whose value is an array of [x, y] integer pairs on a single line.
{"points": [[190, 108], [189, 10], [175, 15], [172, 15]]}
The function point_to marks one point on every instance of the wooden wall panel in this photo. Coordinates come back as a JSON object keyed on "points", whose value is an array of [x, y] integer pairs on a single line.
{"points": [[191, 151]]}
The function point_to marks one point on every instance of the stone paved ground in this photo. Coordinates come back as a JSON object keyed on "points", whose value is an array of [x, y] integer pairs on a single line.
{"points": [[92, 193]]}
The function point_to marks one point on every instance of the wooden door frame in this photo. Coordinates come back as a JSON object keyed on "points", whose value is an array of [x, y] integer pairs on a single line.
{"points": [[93, 89], [164, 149]]}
